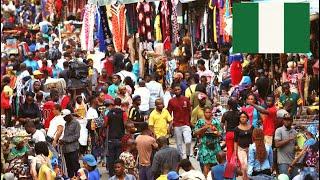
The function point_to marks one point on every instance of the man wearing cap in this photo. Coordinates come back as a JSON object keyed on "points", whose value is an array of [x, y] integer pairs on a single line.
{"points": [[172, 175], [285, 140], [90, 164], [69, 142]]}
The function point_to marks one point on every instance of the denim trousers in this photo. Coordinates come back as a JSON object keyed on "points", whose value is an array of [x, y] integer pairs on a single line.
{"points": [[283, 169]]}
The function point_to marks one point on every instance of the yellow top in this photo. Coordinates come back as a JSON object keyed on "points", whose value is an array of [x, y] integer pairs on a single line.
{"points": [[42, 172], [160, 121], [162, 177], [197, 114], [190, 90]]}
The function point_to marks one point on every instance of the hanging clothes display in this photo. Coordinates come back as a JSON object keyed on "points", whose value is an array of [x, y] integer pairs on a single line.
{"points": [[118, 20], [175, 25], [105, 22], [157, 28], [132, 19], [100, 32], [164, 9], [75, 5], [235, 68], [144, 10], [87, 31]]}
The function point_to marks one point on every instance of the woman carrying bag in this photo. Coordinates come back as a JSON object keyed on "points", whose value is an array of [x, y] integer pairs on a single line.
{"points": [[208, 130]]}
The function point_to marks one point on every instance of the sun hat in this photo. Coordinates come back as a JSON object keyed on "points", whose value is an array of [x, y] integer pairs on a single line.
{"points": [[37, 72]]}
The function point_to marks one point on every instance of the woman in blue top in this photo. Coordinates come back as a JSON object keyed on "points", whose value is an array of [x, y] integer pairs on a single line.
{"points": [[55, 69], [260, 158]]}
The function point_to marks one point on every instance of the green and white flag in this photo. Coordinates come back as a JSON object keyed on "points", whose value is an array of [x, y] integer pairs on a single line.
{"points": [[271, 27]]}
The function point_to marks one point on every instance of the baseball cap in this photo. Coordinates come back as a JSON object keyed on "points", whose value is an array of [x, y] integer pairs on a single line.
{"points": [[202, 96], [65, 112], [172, 175], [281, 113], [89, 159]]}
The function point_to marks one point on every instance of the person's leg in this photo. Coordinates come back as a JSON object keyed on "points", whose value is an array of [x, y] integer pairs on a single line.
{"points": [[69, 161], [187, 138], [229, 144], [149, 173], [111, 158], [75, 166], [243, 158], [142, 173], [179, 141]]}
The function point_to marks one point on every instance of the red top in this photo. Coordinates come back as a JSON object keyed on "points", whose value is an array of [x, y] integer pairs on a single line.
{"points": [[64, 102], [269, 121], [108, 65], [181, 108], [47, 113], [49, 69]]}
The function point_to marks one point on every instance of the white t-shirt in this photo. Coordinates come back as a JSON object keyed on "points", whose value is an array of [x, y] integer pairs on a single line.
{"points": [[123, 74], [38, 136], [92, 114], [192, 174], [144, 93], [83, 132], [54, 123], [156, 92]]}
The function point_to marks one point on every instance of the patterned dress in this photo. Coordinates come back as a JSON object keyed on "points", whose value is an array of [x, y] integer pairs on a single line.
{"points": [[129, 163], [207, 155]]}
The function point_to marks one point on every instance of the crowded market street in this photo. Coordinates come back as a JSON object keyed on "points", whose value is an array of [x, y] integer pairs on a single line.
{"points": [[159, 90]]}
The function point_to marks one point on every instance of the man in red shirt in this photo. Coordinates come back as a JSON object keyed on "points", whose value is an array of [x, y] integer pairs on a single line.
{"points": [[269, 119], [46, 67], [47, 111], [180, 106]]}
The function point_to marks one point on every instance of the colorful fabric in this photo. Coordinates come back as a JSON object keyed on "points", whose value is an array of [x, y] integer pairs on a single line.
{"points": [[118, 20], [144, 11]]}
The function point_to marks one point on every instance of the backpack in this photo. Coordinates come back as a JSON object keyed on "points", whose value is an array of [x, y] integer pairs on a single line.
{"points": [[115, 122]]}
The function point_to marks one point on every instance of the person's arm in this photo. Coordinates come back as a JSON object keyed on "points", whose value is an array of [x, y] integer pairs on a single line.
{"points": [[251, 159], [151, 123], [260, 109], [300, 155], [57, 136], [74, 136], [279, 142], [194, 118], [199, 131], [223, 122]]}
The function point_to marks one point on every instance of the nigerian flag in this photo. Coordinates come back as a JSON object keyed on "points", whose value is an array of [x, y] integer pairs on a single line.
{"points": [[271, 27]]}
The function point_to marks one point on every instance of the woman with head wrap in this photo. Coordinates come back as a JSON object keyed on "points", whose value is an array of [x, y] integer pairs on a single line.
{"points": [[19, 150]]}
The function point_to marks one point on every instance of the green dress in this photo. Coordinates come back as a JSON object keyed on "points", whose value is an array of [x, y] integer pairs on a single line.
{"points": [[205, 154]]}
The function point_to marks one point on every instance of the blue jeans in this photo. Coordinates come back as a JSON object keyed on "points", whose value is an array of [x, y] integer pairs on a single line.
{"points": [[145, 173], [114, 151], [283, 169]]}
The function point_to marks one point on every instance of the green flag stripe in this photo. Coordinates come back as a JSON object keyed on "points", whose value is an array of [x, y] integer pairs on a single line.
{"points": [[245, 28], [296, 28]]}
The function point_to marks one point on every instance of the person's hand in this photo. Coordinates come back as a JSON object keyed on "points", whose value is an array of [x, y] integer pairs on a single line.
{"points": [[54, 144], [61, 142], [290, 169]]}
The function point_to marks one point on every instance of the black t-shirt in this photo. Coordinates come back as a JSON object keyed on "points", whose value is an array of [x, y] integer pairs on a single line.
{"points": [[29, 111], [115, 124], [136, 117], [232, 119], [263, 86], [243, 138]]}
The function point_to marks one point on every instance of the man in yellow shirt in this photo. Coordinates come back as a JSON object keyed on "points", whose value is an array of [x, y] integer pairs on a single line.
{"points": [[198, 112], [160, 119], [191, 89]]}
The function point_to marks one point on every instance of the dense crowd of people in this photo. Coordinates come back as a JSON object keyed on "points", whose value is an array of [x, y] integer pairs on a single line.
{"points": [[63, 116]]}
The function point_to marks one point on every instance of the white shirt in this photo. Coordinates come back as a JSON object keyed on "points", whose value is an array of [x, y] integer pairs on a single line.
{"points": [[54, 123], [38, 136], [156, 92], [144, 93], [83, 132], [192, 174], [123, 74], [92, 114]]}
